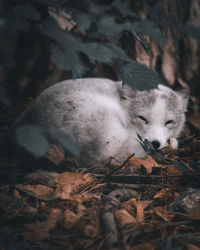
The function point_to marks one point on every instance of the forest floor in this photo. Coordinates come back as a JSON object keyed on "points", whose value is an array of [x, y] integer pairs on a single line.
{"points": [[152, 203]]}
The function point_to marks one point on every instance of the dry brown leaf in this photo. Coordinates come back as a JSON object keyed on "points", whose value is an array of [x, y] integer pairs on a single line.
{"points": [[89, 224], [56, 154], [140, 212], [70, 219], [146, 203], [130, 205], [191, 247], [63, 19], [69, 183], [15, 206], [142, 56], [91, 197], [194, 119], [39, 191], [40, 230], [169, 66], [133, 204], [172, 170], [140, 206], [41, 176], [167, 194], [144, 246], [180, 229], [148, 162], [162, 213], [16, 194], [123, 218]]}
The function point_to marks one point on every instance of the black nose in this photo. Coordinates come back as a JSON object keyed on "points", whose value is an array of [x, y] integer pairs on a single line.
{"points": [[156, 144]]}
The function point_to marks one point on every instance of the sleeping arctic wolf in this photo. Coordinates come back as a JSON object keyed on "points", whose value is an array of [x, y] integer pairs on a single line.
{"points": [[103, 117]]}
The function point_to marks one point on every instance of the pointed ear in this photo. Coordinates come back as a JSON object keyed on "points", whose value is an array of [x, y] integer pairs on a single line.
{"points": [[127, 93], [184, 94], [163, 87]]}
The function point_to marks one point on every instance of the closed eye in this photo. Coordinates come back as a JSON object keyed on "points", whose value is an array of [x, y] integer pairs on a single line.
{"points": [[169, 122], [143, 119]]}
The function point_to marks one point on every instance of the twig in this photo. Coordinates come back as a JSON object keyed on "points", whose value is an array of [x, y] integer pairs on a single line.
{"points": [[116, 169]]}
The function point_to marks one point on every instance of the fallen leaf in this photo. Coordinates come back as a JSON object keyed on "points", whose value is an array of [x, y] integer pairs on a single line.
{"points": [[181, 229], [167, 194], [39, 191], [145, 203], [140, 212], [138, 207], [123, 218], [129, 205], [169, 66], [40, 230], [70, 219], [172, 170], [89, 224], [148, 162], [56, 154], [41, 176], [162, 213], [63, 19], [69, 183], [16, 194], [191, 247], [91, 197], [15, 206], [144, 246]]}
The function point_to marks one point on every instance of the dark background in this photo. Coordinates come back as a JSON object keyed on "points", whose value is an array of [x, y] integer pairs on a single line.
{"points": [[106, 39]]}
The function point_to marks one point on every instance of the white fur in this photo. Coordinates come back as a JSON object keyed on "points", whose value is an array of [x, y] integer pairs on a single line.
{"points": [[156, 130], [103, 118]]}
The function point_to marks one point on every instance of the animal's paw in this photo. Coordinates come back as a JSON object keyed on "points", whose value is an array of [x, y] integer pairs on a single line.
{"points": [[173, 143]]}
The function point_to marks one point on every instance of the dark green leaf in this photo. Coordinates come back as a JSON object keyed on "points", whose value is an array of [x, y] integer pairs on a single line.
{"points": [[83, 22], [139, 137], [192, 30], [158, 13], [181, 166], [64, 140], [26, 12], [32, 139], [139, 76], [65, 49], [21, 15], [104, 52], [195, 166], [98, 52], [146, 145], [146, 27], [124, 8], [108, 27]]}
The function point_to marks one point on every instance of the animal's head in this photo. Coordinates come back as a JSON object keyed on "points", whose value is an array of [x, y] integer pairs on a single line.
{"points": [[158, 114]]}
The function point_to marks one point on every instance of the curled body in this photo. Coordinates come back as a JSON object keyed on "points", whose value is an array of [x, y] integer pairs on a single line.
{"points": [[103, 117]]}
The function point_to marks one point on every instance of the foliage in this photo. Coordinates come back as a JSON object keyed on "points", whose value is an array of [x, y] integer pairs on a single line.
{"points": [[32, 139], [100, 27], [102, 24]]}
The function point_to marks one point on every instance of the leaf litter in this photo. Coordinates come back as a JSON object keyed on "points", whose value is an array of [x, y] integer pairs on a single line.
{"points": [[141, 204], [146, 203]]}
